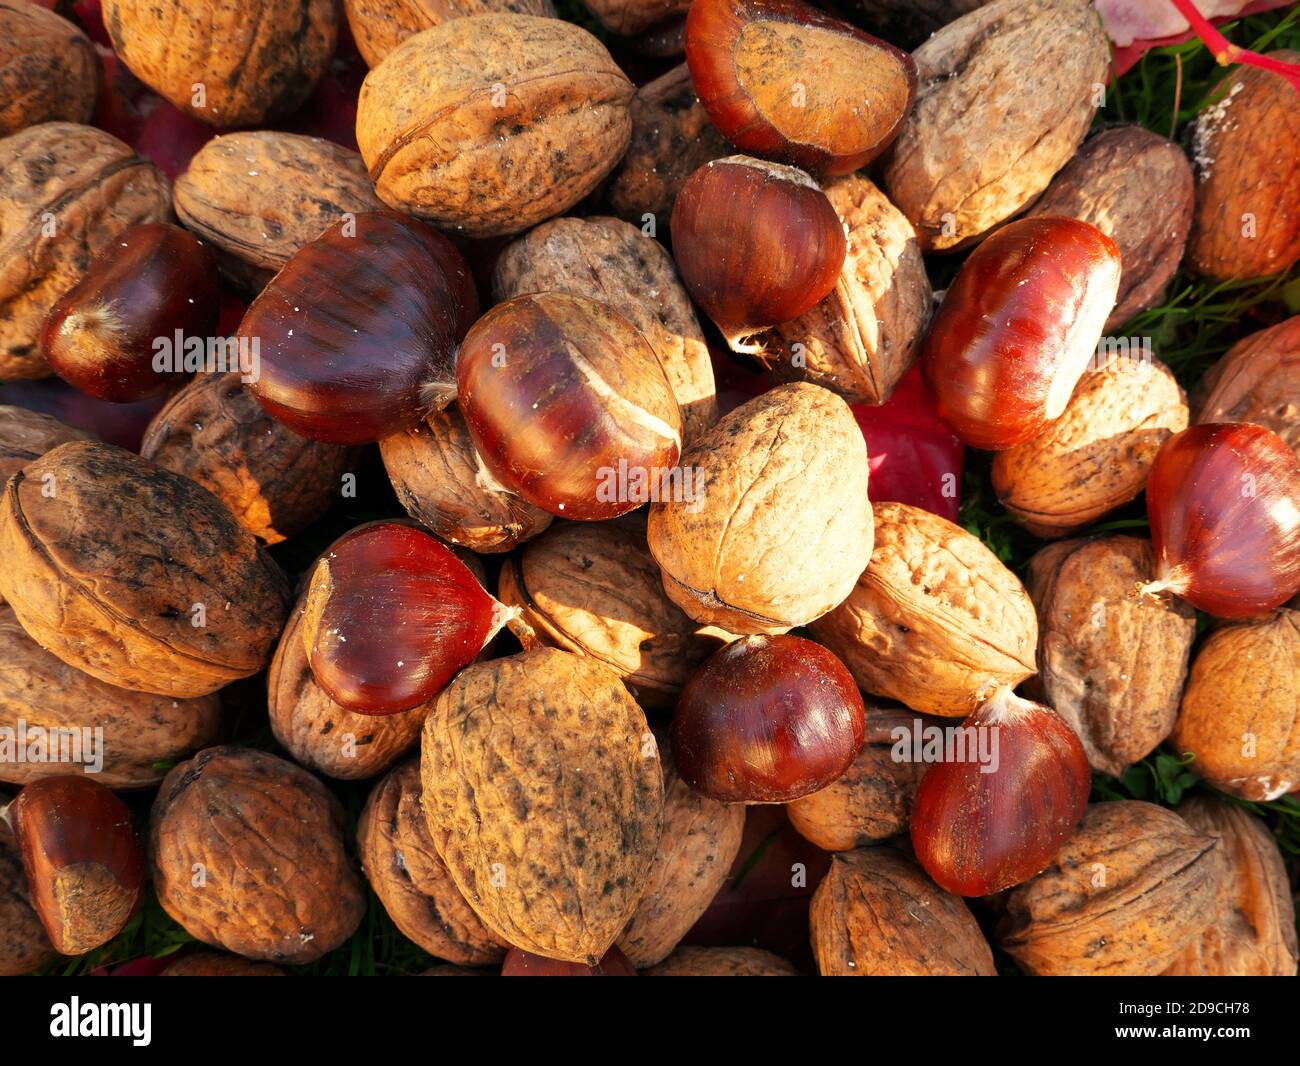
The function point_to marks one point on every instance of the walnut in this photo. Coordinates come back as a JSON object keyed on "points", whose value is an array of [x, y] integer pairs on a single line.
{"points": [[1258, 381], [26, 435], [1111, 662], [214, 964], [23, 943], [628, 17], [379, 26], [490, 124], [247, 854], [69, 191], [722, 962], [1123, 897], [403, 867], [876, 914], [49, 71], [544, 795], [935, 621]]}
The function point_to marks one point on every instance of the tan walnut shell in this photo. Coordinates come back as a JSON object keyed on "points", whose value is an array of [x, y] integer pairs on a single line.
{"points": [[247, 854], [1258, 380], [872, 800], [1096, 456], [411, 881], [1240, 716], [489, 124], [594, 589], [876, 914], [1253, 932], [1005, 95], [610, 260], [379, 26], [26, 435], [226, 62], [274, 482], [627, 17], [722, 962], [441, 482], [23, 943], [764, 545], [136, 575], [544, 796], [49, 71], [1246, 147], [216, 964], [69, 191], [935, 621]]}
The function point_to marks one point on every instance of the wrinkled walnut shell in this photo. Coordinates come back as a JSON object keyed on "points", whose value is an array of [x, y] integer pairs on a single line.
{"points": [[23, 943], [214, 964], [49, 71], [379, 26], [722, 962], [1258, 381], [935, 621], [247, 854]]}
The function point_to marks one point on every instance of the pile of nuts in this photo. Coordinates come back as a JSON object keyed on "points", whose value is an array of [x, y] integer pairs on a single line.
{"points": [[615, 583]]}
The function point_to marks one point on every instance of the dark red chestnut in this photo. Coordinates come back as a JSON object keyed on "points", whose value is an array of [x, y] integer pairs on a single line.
{"points": [[784, 81], [391, 616], [757, 244], [525, 964], [767, 720], [143, 312], [1011, 790], [358, 331], [1223, 499], [83, 862], [1018, 327], [568, 405]]}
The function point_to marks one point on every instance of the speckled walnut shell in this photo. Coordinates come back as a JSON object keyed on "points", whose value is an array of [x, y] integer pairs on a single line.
{"points": [[595, 590], [935, 621], [1257, 381], [699, 842], [876, 914], [610, 260], [1137, 188], [107, 557], [1096, 456], [321, 734], [544, 795], [379, 26], [490, 124], [23, 943], [255, 59], [1253, 932], [214, 964], [722, 962], [140, 731], [627, 17], [1133, 887], [863, 337], [1246, 148], [1111, 662], [1004, 96], [768, 545], [441, 482], [274, 482], [1240, 715], [258, 196], [403, 867], [872, 800], [247, 854], [48, 68], [671, 138], [69, 190]]}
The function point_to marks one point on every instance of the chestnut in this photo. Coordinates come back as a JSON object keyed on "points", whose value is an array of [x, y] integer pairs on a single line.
{"points": [[391, 615], [1018, 327], [520, 963], [357, 332], [1011, 790], [757, 244], [1223, 499], [83, 861], [152, 293], [568, 406], [785, 81], [767, 719]]}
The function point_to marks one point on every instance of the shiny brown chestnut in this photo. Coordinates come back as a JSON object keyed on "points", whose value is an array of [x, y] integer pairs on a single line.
{"points": [[767, 720], [785, 81], [1009, 793], [521, 963], [357, 332], [757, 244], [1018, 327], [152, 294], [83, 861], [568, 406], [1223, 499]]}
